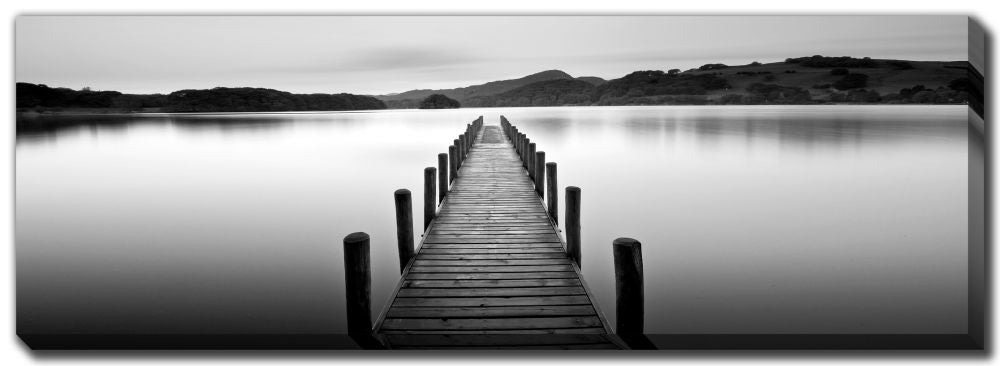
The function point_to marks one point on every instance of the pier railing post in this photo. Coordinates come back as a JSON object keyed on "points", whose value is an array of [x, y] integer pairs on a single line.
{"points": [[529, 159], [442, 176], [524, 151], [404, 226], [430, 201], [469, 137], [358, 283], [573, 224], [463, 149], [458, 154], [453, 166], [539, 165], [628, 286], [552, 191]]}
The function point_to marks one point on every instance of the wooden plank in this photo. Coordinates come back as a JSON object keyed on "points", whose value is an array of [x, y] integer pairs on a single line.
{"points": [[492, 323], [588, 330], [453, 250], [494, 340], [493, 301], [492, 246], [464, 283], [489, 276], [541, 237], [433, 240], [490, 312], [495, 269], [488, 262], [487, 292], [457, 256]]}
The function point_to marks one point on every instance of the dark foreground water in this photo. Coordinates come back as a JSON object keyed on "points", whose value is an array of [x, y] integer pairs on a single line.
{"points": [[806, 219]]}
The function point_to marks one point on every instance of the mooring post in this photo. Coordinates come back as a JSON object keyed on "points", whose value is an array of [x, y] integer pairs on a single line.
{"points": [[458, 154], [453, 166], [470, 137], [404, 226], [358, 283], [524, 151], [552, 191], [442, 176], [530, 160], [524, 148], [430, 202], [463, 149], [573, 224], [628, 286], [539, 165]]}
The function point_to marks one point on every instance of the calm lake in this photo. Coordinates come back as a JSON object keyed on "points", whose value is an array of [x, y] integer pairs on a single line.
{"points": [[753, 219]]}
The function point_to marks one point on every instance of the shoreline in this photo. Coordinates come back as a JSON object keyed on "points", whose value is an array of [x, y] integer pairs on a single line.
{"points": [[32, 114]]}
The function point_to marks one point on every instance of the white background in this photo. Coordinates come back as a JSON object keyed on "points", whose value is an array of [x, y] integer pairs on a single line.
{"points": [[13, 352]]}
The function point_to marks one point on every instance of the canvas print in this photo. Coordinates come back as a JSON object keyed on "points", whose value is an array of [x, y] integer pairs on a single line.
{"points": [[500, 182]]}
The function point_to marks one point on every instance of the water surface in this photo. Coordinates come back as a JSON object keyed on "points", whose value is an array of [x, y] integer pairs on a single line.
{"points": [[753, 219]]}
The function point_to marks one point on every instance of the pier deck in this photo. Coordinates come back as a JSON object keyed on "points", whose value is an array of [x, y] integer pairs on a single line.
{"points": [[492, 271]]}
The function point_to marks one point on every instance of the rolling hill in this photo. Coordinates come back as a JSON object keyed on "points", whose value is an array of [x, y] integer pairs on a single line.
{"points": [[804, 80], [412, 98]]}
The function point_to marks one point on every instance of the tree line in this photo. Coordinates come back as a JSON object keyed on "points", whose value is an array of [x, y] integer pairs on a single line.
{"points": [[42, 97]]}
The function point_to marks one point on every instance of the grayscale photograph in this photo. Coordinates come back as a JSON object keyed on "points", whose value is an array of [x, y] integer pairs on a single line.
{"points": [[512, 182]]}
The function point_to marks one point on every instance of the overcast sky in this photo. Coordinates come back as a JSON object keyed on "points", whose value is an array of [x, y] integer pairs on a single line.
{"points": [[377, 55]]}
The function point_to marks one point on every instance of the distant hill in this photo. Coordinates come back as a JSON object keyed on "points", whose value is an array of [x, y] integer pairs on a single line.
{"points": [[539, 94], [802, 80], [592, 80], [412, 98], [41, 98]]}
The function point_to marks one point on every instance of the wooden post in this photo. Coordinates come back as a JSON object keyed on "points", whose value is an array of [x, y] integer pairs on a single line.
{"points": [[442, 176], [453, 167], [628, 286], [524, 151], [463, 149], [470, 137], [539, 165], [404, 226], [430, 202], [524, 148], [553, 191], [530, 160], [358, 283], [458, 154], [573, 224]]}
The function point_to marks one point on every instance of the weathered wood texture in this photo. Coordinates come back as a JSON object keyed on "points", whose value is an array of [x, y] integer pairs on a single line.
{"points": [[492, 268]]}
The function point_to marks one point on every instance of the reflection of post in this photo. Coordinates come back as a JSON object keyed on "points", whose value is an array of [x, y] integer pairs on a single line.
{"points": [[539, 165], [442, 176], [552, 191], [358, 281], [404, 226], [430, 203], [628, 285], [573, 224]]}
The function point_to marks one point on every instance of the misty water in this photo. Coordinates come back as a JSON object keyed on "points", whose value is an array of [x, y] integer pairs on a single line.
{"points": [[753, 219]]}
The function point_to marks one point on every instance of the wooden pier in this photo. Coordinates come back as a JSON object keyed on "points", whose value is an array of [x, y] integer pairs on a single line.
{"points": [[492, 269]]}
